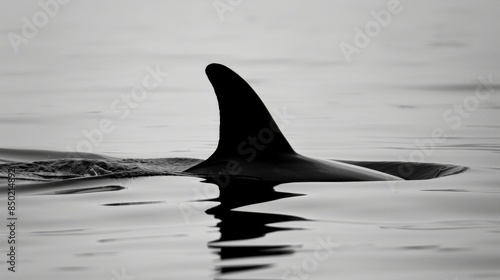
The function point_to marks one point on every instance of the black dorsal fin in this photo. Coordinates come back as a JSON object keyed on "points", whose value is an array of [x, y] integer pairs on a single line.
{"points": [[243, 116]]}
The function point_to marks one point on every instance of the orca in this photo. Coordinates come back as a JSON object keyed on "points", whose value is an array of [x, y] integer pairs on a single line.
{"points": [[252, 146], [251, 151]]}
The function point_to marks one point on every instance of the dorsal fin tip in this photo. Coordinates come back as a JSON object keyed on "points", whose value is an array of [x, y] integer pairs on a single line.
{"points": [[213, 67], [243, 116]]}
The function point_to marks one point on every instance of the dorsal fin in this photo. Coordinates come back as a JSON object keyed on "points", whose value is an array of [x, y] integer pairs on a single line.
{"points": [[243, 116]]}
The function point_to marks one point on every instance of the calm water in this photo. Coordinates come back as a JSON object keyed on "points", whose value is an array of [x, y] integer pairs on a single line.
{"points": [[79, 68]]}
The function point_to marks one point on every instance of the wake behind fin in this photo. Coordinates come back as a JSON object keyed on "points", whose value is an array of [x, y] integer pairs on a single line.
{"points": [[244, 119]]}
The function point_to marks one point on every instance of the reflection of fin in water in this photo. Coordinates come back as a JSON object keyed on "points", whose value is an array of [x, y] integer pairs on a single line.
{"points": [[239, 192], [241, 225], [238, 268], [234, 252]]}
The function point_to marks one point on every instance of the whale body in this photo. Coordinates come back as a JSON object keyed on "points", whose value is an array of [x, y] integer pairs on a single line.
{"points": [[251, 145], [251, 150]]}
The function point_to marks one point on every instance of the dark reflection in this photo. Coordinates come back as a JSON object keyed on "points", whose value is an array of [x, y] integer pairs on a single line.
{"points": [[239, 268], [133, 203], [91, 190], [232, 252], [241, 225]]}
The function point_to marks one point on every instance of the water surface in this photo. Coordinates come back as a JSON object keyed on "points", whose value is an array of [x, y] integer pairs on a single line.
{"points": [[382, 106]]}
